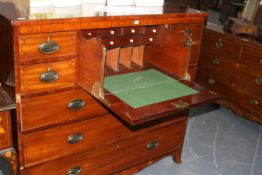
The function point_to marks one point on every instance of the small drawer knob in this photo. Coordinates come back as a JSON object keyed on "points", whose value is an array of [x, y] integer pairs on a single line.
{"points": [[133, 30], [111, 43], [215, 61], [75, 138], [89, 34], [49, 76], [211, 81], [131, 40], [259, 81], [188, 43], [254, 102], [219, 43], [112, 32], [154, 30], [152, 145], [76, 104], [48, 47], [74, 171], [151, 39]]}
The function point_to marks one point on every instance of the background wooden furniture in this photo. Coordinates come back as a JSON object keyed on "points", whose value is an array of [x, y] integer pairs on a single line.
{"points": [[231, 66], [54, 112]]}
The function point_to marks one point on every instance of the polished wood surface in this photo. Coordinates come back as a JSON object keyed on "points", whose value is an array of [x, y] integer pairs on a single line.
{"points": [[30, 81], [5, 130], [240, 60], [60, 62]]}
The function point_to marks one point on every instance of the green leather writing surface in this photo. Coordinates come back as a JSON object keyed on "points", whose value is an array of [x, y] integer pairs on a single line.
{"points": [[143, 88]]}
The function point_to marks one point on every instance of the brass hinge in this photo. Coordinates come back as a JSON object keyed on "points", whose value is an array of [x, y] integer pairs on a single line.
{"points": [[180, 105]]}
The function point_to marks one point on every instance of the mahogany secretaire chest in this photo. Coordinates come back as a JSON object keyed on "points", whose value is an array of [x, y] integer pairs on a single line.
{"points": [[100, 92]]}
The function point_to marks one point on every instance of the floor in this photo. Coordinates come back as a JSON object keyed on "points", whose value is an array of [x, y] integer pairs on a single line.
{"points": [[216, 143]]}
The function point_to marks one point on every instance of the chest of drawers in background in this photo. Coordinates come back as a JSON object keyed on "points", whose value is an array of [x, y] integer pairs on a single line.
{"points": [[232, 66]]}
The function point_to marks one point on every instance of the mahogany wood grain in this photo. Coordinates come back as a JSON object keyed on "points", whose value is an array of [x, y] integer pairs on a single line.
{"points": [[112, 58], [29, 45], [138, 55], [125, 57], [252, 57], [192, 70], [114, 158], [30, 76], [5, 130], [91, 69], [173, 54], [52, 109]]}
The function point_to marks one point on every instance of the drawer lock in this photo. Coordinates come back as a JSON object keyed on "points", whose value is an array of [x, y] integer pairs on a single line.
{"points": [[211, 81], [215, 61], [48, 47], [188, 43], [75, 138], [152, 145], [74, 171], [76, 104], [219, 43]]}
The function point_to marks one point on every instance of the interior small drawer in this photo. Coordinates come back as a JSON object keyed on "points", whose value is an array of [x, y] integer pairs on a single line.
{"points": [[47, 45], [194, 30], [57, 108], [113, 158], [150, 30], [47, 76], [121, 41], [252, 57], [132, 30], [74, 138]]}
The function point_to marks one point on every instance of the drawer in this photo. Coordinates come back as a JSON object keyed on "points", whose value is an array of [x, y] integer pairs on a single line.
{"points": [[249, 79], [132, 30], [5, 130], [194, 30], [57, 108], [120, 155], [212, 80], [121, 41], [218, 62], [47, 45], [149, 39], [252, 57], [74, 138], [151, 30], [101, 32], [47, 76], [246, 99], [221, 44]]}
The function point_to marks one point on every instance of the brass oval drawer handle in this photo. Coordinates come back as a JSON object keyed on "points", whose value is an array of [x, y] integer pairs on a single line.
{"points": [[49, 47], [152, 145], [259, 81], [74, 171], [75, 138], [76, 104], [49, 76], [188, 43], [219, 43], [254, 102], [211, 81], [215, 61]]}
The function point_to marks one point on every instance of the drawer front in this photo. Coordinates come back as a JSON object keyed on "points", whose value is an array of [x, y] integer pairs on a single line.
{"points": [[151, 30], [132, 30], [120, 155], [57, 108], [47, 76], [252, 57], [194, 30], [217, 43], [73, 138], [218, 62], [5, 130], [250, 79], [212, 80], [247, 100], [46, 45]]}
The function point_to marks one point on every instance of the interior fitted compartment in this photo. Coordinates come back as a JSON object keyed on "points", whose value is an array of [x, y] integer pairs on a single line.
{"points": [[141, 75]]}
